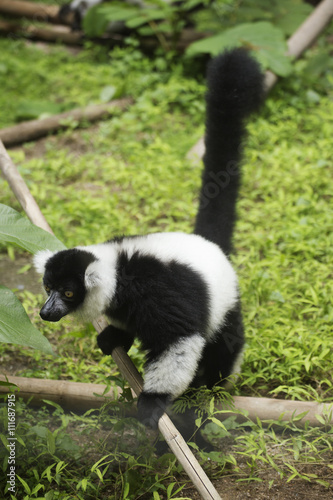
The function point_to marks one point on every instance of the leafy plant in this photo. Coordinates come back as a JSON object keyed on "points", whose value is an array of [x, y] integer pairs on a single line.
{"points": [[248, 23], [155, 18], [18, 230], [15, 325], [266, 42]]}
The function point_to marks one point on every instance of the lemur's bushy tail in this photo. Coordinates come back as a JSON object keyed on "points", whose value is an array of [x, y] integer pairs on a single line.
{"points": [[235, 90]]}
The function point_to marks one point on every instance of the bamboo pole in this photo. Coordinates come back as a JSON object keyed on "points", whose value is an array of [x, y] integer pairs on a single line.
{"points": [[80, 396], [39, 12], [303, 37], [34, 129], [54, 34], [76, 396], [174, 439], [21, 190]]}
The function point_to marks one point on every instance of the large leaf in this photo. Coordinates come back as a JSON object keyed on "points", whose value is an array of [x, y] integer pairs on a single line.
{"points": [[266, 41], [15, 325], [18, 230], [290, 15]]}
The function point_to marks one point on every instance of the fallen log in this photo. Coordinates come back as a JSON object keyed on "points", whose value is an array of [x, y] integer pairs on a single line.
{"points": [[303, 38], [64, 35], [128, 370], [78, 396], [34, 129], [39, 12]]}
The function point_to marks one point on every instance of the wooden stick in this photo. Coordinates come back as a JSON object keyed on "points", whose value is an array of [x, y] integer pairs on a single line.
{"points": [[54, 34], [81, 396], [127, 369], [20, 189], [280, 409], [303, 37], [39, 12], [75, 396], [34, 129]]}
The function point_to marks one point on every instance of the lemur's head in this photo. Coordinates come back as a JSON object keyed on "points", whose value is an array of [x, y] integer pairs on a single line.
{"points": [[73, 281]]}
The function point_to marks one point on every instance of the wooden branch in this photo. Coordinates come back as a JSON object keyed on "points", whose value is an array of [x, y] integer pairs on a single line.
{"points": [[81, 396], [21, 191], [39, 12], [303, 37], [55, 34], [174, 439], [34, 129]]}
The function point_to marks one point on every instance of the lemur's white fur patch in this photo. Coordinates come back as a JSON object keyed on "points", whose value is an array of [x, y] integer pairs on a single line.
{"points": [[40, 259], [100, 281], [174, 370]]}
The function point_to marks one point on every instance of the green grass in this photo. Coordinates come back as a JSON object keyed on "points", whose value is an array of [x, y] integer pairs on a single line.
{"points": [[128, 175]]}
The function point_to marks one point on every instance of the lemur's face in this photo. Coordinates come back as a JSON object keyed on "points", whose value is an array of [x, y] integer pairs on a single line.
{"points": [[64, 282], [64, 297]]}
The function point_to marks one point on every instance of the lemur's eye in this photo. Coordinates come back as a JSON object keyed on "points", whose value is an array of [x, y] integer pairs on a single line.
{"points": [[69, 294], [47, 288]]}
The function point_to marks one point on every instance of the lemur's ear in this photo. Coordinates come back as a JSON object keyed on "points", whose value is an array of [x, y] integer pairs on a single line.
{"points": [[93, 275], [40, 259]]}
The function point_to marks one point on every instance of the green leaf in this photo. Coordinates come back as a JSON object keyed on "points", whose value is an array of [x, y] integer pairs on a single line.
{"points": [[18, 230], [290, 17], [218, 422], [266, 41], [29, 110], [94, 23], [277, 296], [15, 325], [97, 19], [50, 442], [107, 93], [145, 16], [25, 485]]}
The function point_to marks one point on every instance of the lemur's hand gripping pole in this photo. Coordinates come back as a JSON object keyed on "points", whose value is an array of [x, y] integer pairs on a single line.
{"points": [[174, 439]]}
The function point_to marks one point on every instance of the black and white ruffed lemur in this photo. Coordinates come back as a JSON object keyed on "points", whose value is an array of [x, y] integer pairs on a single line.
{"points": [[177, 293]]}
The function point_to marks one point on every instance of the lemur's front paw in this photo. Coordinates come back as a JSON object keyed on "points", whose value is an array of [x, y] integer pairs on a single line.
{"points": [[151, 407], [110, 338]]}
